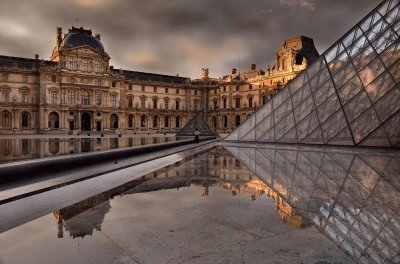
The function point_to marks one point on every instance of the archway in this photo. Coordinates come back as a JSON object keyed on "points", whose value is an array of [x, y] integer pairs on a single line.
{"points": [[143, 121], [86, 122], [54, 120], [114, 121], [156, 121], [166, 121], [5, 119]]}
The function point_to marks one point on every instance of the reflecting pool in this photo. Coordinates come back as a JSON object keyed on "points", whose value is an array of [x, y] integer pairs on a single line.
{"points": [[231, 204], [13, 149]]}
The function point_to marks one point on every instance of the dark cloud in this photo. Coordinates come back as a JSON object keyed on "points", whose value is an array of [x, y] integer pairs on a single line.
{"points": [[177, 36]]}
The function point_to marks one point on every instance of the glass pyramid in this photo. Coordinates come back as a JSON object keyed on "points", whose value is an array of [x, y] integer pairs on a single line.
{"points": [[349, 96]]}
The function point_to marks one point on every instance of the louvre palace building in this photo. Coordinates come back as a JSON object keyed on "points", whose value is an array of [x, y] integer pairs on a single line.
{"points": [[78, 90]]}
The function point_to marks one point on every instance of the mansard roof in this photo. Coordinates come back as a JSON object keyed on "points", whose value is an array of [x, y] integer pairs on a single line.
{"points": [[78, 37], [23, 63], [145, 76]]}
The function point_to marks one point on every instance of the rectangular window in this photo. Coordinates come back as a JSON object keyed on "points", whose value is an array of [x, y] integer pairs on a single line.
{"points": [[86, 99], [71, 97], [6, 96], [225, 103], [166, 90], [24, 78], [143, 102], [250, 101], [177, 105], [250, 86], [130, 87], [195, 92], [177, 91], [98, 99], [143, 88], [130, 102], [113, 100], [224, 88], [53, 97], [155, 103], [264, 99], [237, 102], [24, 96], [113, 84], [155, 89], [215, 91], [237, 88], [71, 80], [215, 105], [5, 76], [166, 104], [53, 79], [99, 82]]}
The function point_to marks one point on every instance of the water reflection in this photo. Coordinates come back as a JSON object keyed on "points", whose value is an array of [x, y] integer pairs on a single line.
{"points": [[14, 149], [353, 198]]}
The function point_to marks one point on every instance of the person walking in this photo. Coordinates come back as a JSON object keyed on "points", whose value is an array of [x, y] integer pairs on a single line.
{"points": [[196, 136]]}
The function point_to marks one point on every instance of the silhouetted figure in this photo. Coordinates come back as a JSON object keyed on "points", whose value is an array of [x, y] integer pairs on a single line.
{"points": [[196, 136]]}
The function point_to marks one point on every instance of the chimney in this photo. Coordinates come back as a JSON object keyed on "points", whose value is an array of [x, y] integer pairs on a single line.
{"points": [[59, 36], [36, 56], [253, 67], [234, 71], [97, 36], [111, 67]]}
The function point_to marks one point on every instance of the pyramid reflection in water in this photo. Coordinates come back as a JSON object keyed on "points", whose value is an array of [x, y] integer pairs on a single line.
{"points": [[349, 96], [351, 196]]}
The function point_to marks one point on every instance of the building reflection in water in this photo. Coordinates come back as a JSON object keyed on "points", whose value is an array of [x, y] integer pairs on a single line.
{"points": [[14, 149], [352, 198]]}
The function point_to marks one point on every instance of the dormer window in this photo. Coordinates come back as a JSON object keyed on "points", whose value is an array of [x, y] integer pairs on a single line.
{"points": [[24, 78], [113, 84], [53, 79]]}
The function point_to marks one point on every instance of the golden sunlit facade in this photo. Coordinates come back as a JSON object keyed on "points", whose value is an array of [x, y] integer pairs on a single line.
{"points": [[78, 90]]}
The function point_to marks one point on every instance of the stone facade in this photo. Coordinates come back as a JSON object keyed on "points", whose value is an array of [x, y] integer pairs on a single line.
{"points": [[78, 90]]}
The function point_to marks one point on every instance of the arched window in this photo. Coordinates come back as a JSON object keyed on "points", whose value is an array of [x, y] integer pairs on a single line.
{"points": [[54, 122], [131, 120], [25, 120], [214, 122], [237, 120], [143, 120], [25, 146], [114, 121], [155, 100], [225, 120], [6, 119], [155, 121]]}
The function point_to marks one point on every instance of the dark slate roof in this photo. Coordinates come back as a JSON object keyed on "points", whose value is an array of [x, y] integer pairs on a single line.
{"points": [[145, 76], [78, 37], [23, 63]]}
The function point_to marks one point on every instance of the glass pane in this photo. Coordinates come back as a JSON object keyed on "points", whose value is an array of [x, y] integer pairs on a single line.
{"points": [[350, 89], [298, 82], [233, 136], [383, 9], [331, 54], [358, 45], [308, 125], [300, 95], [392, 54], [263, 112], [395, 71], [284, 126], [338, 62], [282, 110], [314, 138], [280, 97], [247, 125], [320, 78], [377, 29], [377, 138], [344, 75], [392, 129], [356, 106], [326, 109], [388, 104], [393, 15], [363, 58], [324, 92], [364, 125], [333, 125], [304, 109], [370, 21], [268, 137], [379, 86], [289, 137], [343, 138], [385, 40], [315, 67], [250, 136], [265, 125], [350, 37], [369, 73]]}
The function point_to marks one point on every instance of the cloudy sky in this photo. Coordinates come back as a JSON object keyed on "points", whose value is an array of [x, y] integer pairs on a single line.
{"points": [[179, 36]]}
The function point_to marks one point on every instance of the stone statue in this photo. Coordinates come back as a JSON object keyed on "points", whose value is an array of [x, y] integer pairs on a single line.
{"points": [[204, 73]]}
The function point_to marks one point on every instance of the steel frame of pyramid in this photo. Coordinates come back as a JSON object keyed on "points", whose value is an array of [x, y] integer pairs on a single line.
{"points": [[198, 122], [349, 96]]}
